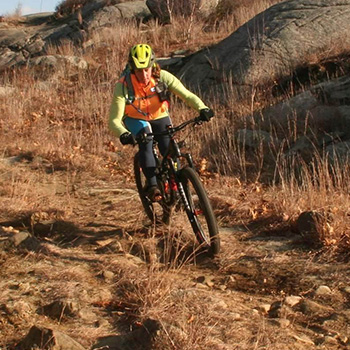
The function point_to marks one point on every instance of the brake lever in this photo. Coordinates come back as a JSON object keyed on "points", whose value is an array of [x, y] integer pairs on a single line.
{"points": [[198, 121]]}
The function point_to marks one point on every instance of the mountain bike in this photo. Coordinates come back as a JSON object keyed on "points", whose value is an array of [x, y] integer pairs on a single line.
{"points": [[181, 189]]}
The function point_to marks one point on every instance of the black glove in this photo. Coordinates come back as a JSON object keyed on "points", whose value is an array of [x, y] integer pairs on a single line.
{"points": [[206, 114], [127, 139]]}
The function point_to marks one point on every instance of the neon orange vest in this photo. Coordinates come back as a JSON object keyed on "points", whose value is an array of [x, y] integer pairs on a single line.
{"points": [[146, 105]]}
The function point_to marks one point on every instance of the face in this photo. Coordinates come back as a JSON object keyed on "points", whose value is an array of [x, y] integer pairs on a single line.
{"points": [[144, 75]]}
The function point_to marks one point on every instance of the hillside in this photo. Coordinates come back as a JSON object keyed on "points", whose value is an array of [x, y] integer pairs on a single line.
{"points": [[99, 273], [81, 265]]}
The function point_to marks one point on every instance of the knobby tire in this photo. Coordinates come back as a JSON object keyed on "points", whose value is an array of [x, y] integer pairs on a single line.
{"points": [[200, 212]]}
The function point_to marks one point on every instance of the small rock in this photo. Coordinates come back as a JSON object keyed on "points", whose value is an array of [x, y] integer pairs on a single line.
{"points": [[310, 225], [279, 310], [45, 339], [235, 316], [281, 322], [139, 338], [14, 286], [284, 323], [25, 240], [292, 300], [201, 286], [222, 287], [112, 246], [323, 290], [330, 340], [344, 339], [264, 308], [20, 237], [309, 307], [134, 259], [58, 309], [304, 339], [108, 275], [208, 280], [103, 243], [221, 304], [275, 309], [87, 315]]}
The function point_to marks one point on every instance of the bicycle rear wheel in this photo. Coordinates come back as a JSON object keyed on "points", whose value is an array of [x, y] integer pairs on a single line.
{"points": [[155, 211], [199, 211]]}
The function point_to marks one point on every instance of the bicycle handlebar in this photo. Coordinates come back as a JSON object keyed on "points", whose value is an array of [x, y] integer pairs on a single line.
{"points": [[172, 129]]}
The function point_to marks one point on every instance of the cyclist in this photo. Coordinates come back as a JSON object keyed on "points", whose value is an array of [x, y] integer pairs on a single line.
{"points": [[141, 105]]}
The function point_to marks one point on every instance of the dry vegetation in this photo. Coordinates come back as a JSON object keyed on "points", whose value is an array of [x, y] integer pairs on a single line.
{"points": [[56, 132]]}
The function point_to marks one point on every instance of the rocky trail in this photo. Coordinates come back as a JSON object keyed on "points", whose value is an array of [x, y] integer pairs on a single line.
{"points": [[100, 276], [80, 265]]}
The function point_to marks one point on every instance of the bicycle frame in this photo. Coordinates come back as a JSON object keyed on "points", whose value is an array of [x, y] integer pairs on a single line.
{"points": [[170, 164]]}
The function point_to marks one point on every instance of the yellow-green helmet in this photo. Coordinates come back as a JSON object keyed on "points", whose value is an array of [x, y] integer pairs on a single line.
{"points": [[141, 56]]}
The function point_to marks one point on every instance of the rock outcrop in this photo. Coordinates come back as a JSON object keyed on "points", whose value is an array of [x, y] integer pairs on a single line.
{"points": [[33, 34], [325, 103], [272, 44]]}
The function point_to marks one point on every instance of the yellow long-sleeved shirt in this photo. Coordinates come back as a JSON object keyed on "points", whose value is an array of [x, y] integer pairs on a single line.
{"points": [[120, 94]]}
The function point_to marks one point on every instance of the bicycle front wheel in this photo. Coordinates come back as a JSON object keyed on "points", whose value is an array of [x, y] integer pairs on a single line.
{"points": [[199, 211]]}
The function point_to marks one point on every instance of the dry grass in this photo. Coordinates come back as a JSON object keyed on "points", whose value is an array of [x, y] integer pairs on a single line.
{"points": [[59, 127], [15, 15], [70, 131], [239, 12]]}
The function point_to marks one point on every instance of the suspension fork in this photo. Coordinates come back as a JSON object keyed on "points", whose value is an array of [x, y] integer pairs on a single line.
{"points": [[191, 216], [175, 152], [175, 174]]}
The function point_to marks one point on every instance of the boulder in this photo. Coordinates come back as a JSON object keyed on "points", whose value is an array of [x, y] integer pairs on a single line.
{"points": [[108, 16], [311, 225], [46, 66], [9, 58], [135, 9], [255, 139], [338, 154], [270, 45]]}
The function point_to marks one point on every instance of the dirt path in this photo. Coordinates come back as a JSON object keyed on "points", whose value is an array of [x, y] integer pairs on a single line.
{"points": [[117, 275]]}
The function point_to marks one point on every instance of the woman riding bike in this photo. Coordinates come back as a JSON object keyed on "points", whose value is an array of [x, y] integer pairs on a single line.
{"points": [[140, 105]]}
